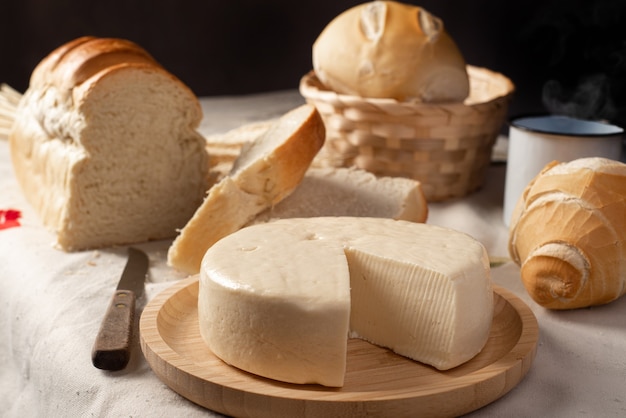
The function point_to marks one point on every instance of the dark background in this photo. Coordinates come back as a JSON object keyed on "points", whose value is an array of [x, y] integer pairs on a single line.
{"points": [[565, 56]]}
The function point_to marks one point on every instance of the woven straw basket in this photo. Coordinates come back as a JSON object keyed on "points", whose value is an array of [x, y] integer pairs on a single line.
{"points": [[446, 146]]}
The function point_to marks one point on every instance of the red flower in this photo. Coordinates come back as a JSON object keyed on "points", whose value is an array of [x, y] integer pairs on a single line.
{"points": [[9, 218]]}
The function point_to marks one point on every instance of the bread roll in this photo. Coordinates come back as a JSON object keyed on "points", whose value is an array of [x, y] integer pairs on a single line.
{"points": [[387, 49], [104, 145], [568, 233], [267, 170]]}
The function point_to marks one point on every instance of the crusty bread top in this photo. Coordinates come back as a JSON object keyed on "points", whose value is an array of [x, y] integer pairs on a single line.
{"points": [[579, 179], [76, 61], [64, 78], [75, 66]]}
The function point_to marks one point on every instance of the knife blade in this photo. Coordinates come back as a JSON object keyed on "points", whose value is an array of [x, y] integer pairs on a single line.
{"points": [[111, 349]]}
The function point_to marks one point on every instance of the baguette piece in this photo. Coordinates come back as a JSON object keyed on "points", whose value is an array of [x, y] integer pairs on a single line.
{"points": [[351, 192], [568, 233], [105, 148], [267, 170]]}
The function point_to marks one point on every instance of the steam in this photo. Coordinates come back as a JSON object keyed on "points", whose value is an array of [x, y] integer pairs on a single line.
{"points": [[591, 99], [580, 46]]}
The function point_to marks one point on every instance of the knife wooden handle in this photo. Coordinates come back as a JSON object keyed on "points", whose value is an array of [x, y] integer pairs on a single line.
{"points": [[111, 350]]}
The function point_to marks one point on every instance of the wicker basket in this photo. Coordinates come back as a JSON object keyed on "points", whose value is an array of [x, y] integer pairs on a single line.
{"points": [[446, 146]]}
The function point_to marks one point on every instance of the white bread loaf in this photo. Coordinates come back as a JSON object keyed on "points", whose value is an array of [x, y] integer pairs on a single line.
{"points": [[351, 192], [387, 49], [105, 148], [568, 233], [267, 170]]}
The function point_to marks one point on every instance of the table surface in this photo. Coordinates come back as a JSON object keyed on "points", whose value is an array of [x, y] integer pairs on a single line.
{"points": [[52, 302]]}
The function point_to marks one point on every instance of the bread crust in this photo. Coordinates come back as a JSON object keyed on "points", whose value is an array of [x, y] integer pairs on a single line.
{"points": [[76, 65], [76, 61]]}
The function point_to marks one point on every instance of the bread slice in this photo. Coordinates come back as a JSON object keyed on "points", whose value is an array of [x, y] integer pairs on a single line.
{"points": [[267, 170], [351, 192], [105, 148]]}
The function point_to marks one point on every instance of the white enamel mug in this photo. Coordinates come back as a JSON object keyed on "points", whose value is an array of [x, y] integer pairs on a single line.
{"points": [[535, 141]]}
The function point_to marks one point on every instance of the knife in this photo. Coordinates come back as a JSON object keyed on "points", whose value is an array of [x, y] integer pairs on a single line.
{"points": [[111, 350]]}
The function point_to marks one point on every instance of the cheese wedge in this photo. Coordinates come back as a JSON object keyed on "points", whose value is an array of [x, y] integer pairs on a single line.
{"points": [[280, 299]]}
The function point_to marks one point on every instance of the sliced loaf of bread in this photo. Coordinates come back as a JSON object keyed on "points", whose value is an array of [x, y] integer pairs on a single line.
{"points": [[105, 148]]}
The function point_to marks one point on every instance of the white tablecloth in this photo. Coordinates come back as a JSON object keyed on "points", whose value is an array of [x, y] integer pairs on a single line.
{"points": [[51, 304]]}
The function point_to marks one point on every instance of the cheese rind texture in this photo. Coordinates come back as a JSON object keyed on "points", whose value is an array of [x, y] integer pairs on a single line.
{"points": [[280, 299]]}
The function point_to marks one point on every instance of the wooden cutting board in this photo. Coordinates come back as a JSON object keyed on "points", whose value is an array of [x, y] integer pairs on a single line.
{"points": [[378, 382]]}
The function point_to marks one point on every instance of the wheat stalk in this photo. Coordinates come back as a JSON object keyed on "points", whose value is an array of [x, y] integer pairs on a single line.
{"points": [[7, 112], [9, 99], [9, 94]]}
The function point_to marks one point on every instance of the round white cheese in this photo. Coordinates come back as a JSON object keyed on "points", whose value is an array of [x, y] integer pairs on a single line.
{"points": [[280, 299]]}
